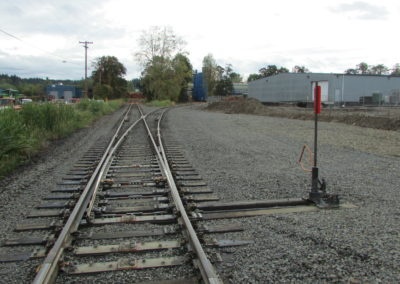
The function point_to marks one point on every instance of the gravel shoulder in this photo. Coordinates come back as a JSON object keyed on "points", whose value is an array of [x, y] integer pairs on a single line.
{"points": [[246, 157], [24, 189]]}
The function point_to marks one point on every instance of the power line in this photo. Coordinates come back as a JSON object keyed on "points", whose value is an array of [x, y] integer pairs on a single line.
{"points": [[10, 35], [64, 60]]}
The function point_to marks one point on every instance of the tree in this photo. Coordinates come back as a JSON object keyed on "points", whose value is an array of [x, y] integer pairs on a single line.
{"points": [[218, 80], [183, 75], [396, 70], [253, 77], [137, 84], [268, 71], [220, 72], [158, 42], [210, 74], [167, 80], [283, 70], [300, 69], [363, 68], [224, 84], [224, 87], [109, 71], [31, 90], [134, 85], [164, 62], [271, 70], [379, 69], [157, 80], [236, 77], [233, 76], [103, 91], [351, 71]]}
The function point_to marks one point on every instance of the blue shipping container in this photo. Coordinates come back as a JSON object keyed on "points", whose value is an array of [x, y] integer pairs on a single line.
{"points": [[198, 93]]}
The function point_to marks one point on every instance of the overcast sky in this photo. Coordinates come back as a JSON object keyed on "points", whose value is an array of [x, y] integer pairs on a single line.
{"points": [[41, 38]]}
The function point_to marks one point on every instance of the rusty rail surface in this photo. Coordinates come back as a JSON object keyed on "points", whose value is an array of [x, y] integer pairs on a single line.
{"points": [[207, 270], [49, 269]]}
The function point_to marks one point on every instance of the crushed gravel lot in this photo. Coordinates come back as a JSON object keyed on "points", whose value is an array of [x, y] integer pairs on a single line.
{"points": [[248, 157]]}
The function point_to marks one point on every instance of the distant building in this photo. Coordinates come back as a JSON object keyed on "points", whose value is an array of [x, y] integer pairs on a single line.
{"points": [[336, 88], [8, 92], [240, 89], [63, 92]]}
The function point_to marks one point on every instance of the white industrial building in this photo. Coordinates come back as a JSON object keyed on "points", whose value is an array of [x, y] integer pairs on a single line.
{"points": [[336, 88]]}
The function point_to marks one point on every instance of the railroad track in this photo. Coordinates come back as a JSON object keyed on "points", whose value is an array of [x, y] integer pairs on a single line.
{"points": [[119, 209], [133, 209]]}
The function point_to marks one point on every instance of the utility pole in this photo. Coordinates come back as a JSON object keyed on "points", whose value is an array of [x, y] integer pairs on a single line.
{"points": [[85, 45]]}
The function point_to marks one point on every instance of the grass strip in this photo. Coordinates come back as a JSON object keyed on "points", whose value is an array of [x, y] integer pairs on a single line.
{"points": [[24, 133]]}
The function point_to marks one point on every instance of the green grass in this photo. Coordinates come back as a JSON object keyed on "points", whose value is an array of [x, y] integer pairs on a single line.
{"points": [[163, 103], [23, 133]]}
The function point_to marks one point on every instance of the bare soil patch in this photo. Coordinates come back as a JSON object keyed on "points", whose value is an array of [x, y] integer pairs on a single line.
{"points": [[387, 118]]}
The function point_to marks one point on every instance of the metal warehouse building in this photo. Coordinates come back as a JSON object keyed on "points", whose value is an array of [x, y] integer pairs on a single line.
{"points": [[63, 92], [336, 88]]}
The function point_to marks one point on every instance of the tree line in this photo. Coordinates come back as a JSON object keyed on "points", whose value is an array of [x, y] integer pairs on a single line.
{"points": [[271, 70], [219, 80], [379, 69], [166, 72], [31, 87]]}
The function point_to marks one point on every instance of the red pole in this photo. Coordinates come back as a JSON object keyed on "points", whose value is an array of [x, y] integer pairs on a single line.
{"points": [[317, 99], [318, 193], [317, 110]]}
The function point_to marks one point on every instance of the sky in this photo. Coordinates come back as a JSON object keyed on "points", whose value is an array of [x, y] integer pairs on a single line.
{"points": [[40, 39]]}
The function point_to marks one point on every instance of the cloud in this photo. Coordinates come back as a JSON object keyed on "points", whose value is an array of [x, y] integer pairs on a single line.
{"points": [[54, 18], [40, 67], [44, 34], [362, 10]]}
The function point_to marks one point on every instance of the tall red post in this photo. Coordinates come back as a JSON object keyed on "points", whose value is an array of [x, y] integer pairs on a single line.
{"points": [[318, 193], [317, 110], [317, 99]]}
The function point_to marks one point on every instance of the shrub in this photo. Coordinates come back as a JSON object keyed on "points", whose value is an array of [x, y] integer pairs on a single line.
{"points": [[16, 141], [22, 133]]}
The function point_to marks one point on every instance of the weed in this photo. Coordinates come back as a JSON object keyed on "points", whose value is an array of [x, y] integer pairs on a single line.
{"points": [[24, 132]]}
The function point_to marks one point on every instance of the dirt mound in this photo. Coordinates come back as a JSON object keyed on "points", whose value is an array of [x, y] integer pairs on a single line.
{"points": [[379, 118], [240, 105]]}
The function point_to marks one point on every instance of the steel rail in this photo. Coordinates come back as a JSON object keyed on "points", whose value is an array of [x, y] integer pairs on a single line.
{"points": [[207, 270], [110, 155], [48, 270]]}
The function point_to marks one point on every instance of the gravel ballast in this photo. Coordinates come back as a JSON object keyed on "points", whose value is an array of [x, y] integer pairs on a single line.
{"points": [[23, 190], [248, 157]]}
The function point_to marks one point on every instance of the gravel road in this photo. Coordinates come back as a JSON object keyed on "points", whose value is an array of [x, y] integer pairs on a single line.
{"points": [[247, 157]]}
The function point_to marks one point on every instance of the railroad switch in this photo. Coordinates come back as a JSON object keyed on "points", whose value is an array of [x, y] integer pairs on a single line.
{"points": [[318, 193]]}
